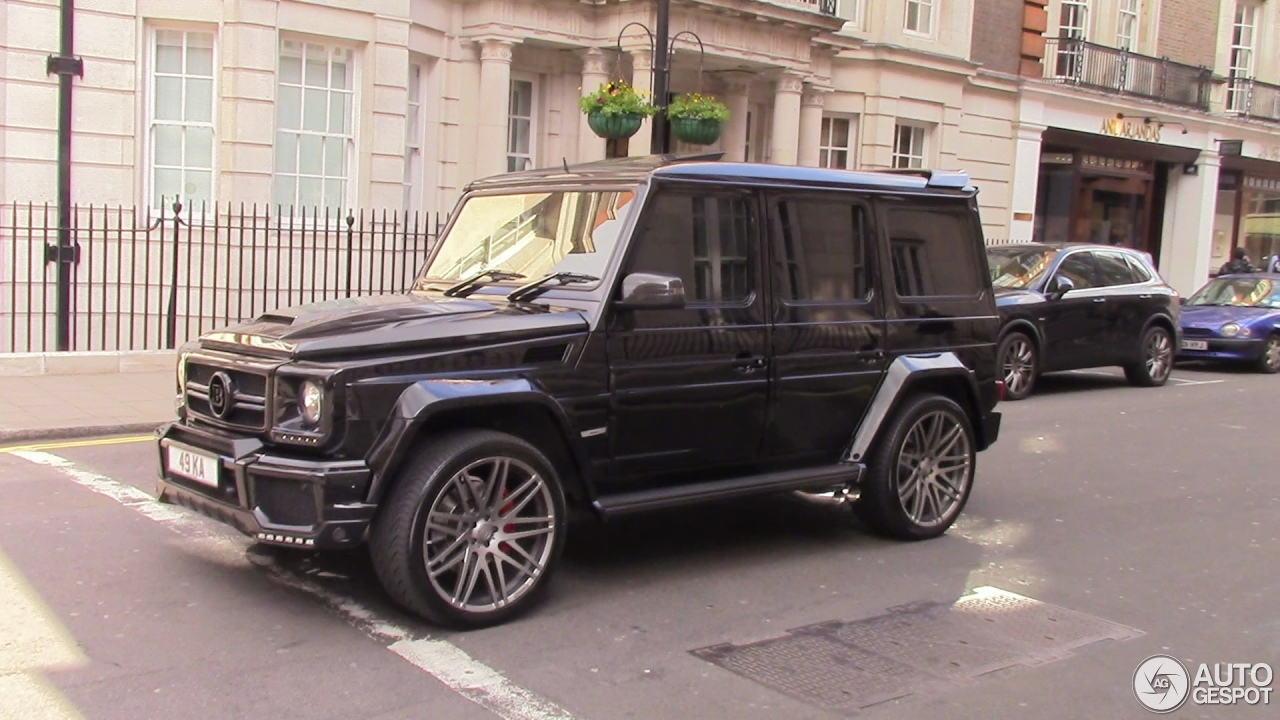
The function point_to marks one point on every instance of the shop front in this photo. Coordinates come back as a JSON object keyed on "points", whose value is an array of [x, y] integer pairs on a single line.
{"points": [[1247, 212]]}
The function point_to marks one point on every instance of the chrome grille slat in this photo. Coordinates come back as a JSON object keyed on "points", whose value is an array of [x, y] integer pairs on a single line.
{"points": [[248, 407]]}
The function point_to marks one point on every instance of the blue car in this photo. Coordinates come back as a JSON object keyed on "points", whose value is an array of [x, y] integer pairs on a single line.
{"points": [[1234, 318]]}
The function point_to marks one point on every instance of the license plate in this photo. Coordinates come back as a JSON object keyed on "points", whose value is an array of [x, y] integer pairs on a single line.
{"points": [[194, 464], [1195, 345]]}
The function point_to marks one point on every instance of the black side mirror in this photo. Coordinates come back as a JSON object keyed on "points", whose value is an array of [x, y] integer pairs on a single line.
{"points": [[1060, 285], [652, 291]]}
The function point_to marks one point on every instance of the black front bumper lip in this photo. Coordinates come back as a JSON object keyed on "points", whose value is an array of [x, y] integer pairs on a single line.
{"points": [[332, 490]]}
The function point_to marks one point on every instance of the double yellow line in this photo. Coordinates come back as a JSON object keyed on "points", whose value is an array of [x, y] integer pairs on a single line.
{"points": [[78, 443]]}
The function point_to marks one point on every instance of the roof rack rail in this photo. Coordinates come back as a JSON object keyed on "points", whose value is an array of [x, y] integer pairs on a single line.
{"points": [[936, 178]]}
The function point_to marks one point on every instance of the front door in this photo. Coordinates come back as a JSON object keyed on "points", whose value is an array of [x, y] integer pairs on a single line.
{"points": [[690, 387], [1076, 324], [828, 333]]}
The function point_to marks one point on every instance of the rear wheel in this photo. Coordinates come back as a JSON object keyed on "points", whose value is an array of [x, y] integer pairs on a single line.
{"points": [[919, 478], [472, 531], [1270, 360], [1018, 364], [1157, 359]]}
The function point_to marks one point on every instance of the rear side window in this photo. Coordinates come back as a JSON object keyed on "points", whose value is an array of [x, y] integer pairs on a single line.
{"points": [[1140, 270], [822, 243], [1115, 270], [934, 253]]}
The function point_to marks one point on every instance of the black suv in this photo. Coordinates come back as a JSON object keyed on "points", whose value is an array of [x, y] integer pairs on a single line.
{"points": [[1072, 306], [615, 337]]}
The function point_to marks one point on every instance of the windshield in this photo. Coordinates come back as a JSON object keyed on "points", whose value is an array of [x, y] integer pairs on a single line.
{"points": [[1238, 292], [1018, 267], [532, 234]]}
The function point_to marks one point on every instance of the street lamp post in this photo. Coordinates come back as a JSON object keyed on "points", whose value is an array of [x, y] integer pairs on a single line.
{"points": [[661, 77]]}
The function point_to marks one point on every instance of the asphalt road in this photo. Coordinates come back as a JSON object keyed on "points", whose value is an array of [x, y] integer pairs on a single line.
{"points": [[1149, 510]]}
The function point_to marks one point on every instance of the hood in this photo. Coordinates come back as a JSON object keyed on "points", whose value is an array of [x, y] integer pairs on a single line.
{"points": [[1014, 296], [385, 322], [1212, 317]]}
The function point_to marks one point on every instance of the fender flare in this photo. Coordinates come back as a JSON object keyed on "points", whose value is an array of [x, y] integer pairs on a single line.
{"points": [[427, 399], [904, 373]]}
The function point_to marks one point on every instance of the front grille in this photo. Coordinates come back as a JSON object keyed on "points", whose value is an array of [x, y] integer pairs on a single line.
{"points": [[1197, 332], [244, 397], [285, 502]]}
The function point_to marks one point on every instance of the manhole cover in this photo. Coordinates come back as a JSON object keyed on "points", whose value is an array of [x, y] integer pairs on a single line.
{"points": [[839, 665]]}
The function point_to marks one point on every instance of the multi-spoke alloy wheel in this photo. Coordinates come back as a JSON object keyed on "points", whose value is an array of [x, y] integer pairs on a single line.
{"points": [[920, 475], [1018, 365], [472, 529], [1270, 360], [1157, 359]]}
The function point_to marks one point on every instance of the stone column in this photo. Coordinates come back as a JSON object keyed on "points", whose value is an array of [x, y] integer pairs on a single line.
{"points": [[811, 105], [595, 72], [642, 81], [737, 96], [785, 142], [1026, 180], [495, 98], [1188, 224]]}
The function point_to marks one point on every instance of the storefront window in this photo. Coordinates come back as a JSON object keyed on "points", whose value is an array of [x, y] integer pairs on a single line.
{"points": [[1260, 218], [1224, 219], [1053, 200]]}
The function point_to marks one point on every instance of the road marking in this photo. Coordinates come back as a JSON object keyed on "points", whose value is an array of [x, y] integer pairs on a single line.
{"points": [[1182, 382], [79, 443], [446, 662]]}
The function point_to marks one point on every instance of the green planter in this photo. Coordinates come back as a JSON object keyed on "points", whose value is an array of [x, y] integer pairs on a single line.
{"points": [[697, 131], [614, 127]]}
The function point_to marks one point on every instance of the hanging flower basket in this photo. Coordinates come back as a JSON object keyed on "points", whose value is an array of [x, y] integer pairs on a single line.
{"points": [[616, 110], [697, 119]]}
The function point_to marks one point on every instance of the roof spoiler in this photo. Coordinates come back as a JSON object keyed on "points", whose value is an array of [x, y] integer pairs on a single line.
{"points": [[937, 178]]}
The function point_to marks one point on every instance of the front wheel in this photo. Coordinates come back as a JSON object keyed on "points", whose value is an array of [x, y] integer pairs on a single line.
{"points": [[1270, 360], [1018, 364], [472, 530], [919, 478], [1157, 359]]}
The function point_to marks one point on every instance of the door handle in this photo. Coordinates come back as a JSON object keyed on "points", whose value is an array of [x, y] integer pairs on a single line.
{"points": [[1099, 300], [749, 363]]}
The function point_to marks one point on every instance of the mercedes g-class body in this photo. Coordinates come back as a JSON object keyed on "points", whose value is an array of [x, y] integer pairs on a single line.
{"points": [[614, 337]]}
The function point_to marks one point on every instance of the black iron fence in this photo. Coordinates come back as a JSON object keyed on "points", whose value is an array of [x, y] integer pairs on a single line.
{"points": [[1075, 61], [1247, 96], [142, 282]]}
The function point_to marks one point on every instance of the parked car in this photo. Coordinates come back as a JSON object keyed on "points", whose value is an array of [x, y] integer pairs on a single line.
{"points": [[1073, 306], [618, 337], [1234, 318]]}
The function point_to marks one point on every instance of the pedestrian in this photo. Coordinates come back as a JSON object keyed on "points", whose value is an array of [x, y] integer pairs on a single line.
{"points": [[1239, 263]]}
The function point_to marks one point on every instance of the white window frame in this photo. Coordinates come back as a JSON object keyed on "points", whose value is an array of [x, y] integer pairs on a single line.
{"points": [[854, 13], [917, 152], [148, 144], [1128, 14], [347, 178], [1243, 54], [534, 113], [926, 10], [414, 136], [827, 148], [1079, 27]]}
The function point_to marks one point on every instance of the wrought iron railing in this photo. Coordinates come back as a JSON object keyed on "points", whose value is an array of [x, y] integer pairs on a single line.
{"points": [[1078, 62], [140, 282], [826, 7], [1251, 98]]}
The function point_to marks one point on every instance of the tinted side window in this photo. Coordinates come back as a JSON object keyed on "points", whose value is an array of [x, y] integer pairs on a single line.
{"points": [[704, 239], [1114, 269], [1080, 268], [934, 253], [823, 250], [1140, 271]]}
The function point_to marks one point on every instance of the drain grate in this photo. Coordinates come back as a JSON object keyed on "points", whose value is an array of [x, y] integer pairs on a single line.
{"points": [[912, 649]]}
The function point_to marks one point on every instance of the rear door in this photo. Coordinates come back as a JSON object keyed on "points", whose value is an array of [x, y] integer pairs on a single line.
{"points": [[828, 332], [1129, 304]]}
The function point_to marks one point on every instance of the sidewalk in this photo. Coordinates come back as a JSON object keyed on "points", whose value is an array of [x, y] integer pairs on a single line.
{"points": [[43, 407]]}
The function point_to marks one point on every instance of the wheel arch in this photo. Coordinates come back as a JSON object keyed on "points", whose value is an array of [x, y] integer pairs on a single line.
{"points": [[1024, 326], [1162, 321]]}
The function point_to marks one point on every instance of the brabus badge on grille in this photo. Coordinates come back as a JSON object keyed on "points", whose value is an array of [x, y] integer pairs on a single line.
{"points": [[221, 395]]}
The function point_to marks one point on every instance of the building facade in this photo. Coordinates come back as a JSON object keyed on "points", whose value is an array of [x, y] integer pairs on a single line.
{"points": [[398, 104]]}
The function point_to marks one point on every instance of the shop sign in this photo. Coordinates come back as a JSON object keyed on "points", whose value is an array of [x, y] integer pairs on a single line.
{"points": [[1110, 163], [1119, 127]]}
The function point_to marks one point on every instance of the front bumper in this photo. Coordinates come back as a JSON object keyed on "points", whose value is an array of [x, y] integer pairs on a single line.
{"points": [[274, 498], [1225, 349]]}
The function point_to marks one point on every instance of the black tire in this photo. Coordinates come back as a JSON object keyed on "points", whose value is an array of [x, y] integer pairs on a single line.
{"points": [[1019, 363], [472, 539], [1157, 359], [885, 496], [1269, 362]]}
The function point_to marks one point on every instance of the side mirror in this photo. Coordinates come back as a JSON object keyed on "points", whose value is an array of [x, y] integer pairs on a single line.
{"points": [[1060, 285], [652, 291]]}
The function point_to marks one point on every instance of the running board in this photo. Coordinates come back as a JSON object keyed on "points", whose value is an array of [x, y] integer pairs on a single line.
{"points": [[812, 479]]}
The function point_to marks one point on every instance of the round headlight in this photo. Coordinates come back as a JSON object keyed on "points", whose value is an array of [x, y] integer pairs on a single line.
{"points": [[1230, 330], [311, 401]]}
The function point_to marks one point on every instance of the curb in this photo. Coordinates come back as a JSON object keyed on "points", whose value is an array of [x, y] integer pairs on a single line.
{"points": [[67, 433]]}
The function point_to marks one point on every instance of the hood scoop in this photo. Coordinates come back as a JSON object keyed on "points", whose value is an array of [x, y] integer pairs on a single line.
{"points": [[275, 318]]}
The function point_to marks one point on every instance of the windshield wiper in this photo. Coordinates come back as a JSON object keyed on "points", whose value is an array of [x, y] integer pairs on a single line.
{"points": [[540, 285], [477, 281]]}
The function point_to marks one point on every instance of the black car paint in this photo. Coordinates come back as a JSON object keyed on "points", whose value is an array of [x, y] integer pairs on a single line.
{"points": [[700, 392]]}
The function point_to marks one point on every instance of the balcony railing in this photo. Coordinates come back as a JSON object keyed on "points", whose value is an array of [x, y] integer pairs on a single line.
{"points": [[1077, 62], [1248, 97], [826, 7]]}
